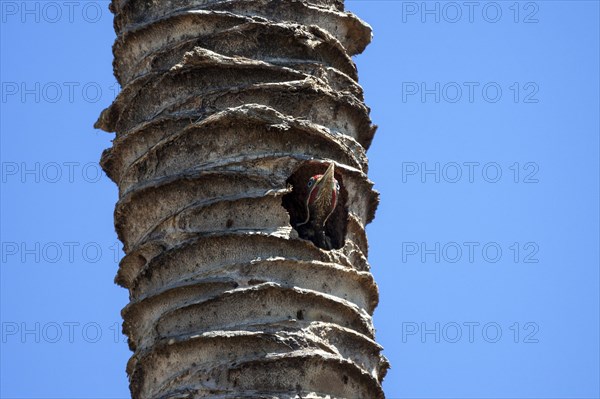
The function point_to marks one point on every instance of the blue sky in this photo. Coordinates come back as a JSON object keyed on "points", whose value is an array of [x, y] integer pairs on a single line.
{"points": [[485, 244]]}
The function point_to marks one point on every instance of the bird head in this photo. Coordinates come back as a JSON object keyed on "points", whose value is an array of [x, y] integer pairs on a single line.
{"points": [[323, 192]]}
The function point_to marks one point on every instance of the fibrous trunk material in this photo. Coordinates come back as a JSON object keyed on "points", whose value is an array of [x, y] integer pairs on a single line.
{"points": [[227, 108]]}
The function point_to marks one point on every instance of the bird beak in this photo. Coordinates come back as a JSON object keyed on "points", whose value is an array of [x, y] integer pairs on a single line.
{"points": [[328, 180], [326, 185]]}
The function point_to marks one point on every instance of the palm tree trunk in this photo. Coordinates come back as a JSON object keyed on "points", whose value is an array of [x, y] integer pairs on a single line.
{"points": [[227, 109]]}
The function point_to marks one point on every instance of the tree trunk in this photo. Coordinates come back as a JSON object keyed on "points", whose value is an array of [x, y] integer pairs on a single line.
{"points": [[227, 109]]}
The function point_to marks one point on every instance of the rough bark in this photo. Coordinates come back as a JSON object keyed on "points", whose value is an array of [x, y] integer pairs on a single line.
{"points": [[227, 108]]}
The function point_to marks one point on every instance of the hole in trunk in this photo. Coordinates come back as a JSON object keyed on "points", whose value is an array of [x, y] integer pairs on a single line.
{"points": [[333, 233]]}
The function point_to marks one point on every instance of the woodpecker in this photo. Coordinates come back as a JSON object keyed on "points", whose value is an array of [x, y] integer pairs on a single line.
{"points": [[321, 201]]}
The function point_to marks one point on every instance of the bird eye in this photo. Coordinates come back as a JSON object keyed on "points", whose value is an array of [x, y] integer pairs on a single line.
{"points": [[337, 185], [311, 182]]}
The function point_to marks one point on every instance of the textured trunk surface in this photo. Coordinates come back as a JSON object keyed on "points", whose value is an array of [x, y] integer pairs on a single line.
{"points": [[227, 108]]}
